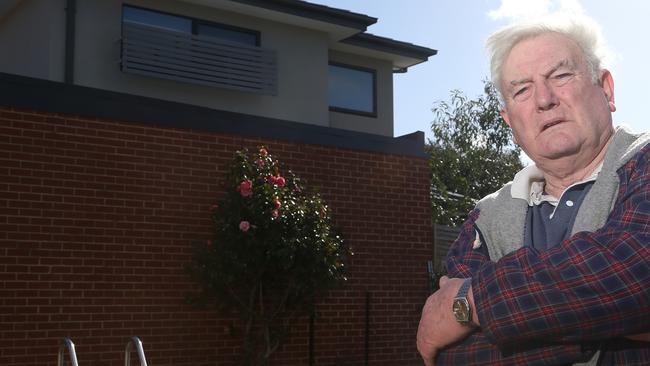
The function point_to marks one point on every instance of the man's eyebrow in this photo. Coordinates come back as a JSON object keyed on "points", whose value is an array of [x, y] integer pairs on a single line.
{"points": [[520, 81], [553, 69], [563, 63]]}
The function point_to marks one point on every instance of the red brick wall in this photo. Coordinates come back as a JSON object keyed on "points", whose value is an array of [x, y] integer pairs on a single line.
{"points": [[96, 221]]}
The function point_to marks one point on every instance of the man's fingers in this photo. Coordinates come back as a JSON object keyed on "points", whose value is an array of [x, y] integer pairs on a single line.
{"points": [[443, 280]]}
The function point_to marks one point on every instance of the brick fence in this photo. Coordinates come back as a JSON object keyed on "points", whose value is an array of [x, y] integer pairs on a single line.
{"points": [[96, 220]]}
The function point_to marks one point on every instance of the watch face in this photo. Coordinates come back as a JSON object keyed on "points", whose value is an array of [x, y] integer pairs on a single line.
{"points": [[461, 310]]}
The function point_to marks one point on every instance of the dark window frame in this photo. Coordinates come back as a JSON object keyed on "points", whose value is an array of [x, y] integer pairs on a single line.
{"points": [[195, 21], [373, 72], [256, 34]]}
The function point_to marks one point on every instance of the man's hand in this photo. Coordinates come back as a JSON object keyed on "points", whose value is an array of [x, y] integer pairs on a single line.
{"points": [[438, 328]]}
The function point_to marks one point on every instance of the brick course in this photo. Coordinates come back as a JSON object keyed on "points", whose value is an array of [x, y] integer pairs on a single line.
{"points": [[96, 221]]}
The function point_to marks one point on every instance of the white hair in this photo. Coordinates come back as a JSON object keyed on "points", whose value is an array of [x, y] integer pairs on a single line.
{"points": [[581, 29]]}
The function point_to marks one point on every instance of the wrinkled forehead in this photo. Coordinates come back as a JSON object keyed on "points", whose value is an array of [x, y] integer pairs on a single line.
{"points": [[540, 54]]}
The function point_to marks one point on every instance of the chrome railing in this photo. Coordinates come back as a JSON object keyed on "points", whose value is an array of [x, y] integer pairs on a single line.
{"points": [[67, 343], [137, 343], [134, 342]]}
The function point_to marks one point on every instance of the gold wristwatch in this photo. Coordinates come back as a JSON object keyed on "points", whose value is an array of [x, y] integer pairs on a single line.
{"points": [[461, 308]]}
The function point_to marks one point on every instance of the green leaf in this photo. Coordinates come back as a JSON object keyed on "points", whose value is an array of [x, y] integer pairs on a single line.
{"points": [[471, 154]]}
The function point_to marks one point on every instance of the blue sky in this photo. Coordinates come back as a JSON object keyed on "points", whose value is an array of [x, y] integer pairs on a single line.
{"points": [[458, 29]]}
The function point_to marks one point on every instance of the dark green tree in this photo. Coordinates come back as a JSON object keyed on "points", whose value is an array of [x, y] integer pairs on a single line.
{"points": [[472, 154], [274, 251]]}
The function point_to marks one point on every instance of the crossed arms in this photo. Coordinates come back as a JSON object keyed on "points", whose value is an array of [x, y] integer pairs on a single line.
{"points": [[557, 306]]}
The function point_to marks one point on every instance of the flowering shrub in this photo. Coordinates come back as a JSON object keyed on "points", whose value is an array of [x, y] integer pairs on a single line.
{"points": [[274, 251]]}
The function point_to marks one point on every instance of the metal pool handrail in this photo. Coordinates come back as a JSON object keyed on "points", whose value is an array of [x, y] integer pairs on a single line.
{"points": [[67, 343], [135, 341]]}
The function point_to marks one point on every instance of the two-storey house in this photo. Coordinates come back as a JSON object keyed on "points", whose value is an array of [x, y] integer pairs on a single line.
{"points": [[117, 120]]}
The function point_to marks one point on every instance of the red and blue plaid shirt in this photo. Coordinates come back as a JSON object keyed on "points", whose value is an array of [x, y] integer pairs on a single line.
{"points": [[556, 307]]}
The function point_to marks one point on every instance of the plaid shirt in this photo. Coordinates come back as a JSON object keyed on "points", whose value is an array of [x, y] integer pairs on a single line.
{"points": [[558, 306]]}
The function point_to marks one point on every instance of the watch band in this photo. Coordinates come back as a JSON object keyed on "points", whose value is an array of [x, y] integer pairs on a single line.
{"points": [[461, 307], [464, 288]]}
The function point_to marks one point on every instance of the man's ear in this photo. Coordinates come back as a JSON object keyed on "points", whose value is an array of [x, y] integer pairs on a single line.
{"points": [[506, 118], [607, 83]]}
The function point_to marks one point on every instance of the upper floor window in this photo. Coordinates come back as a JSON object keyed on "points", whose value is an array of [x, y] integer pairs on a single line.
{"points": [[188, 25], [156, 19], [188, 50], [227, 33], [352, 89]]}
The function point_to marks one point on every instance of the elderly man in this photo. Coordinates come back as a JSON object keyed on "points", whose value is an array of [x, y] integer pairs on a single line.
{"points": [[554, 268]]}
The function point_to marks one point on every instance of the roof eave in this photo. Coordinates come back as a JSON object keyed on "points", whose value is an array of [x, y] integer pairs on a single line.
{"points": [[337, 23], [402, 54], [314, 11]]}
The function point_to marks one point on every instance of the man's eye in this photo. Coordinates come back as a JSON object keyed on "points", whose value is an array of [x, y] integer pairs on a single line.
{"points": [[562, 78], [519, 92]]}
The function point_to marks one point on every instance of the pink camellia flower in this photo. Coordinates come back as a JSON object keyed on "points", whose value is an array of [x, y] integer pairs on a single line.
{"points": [[277, 180], [276, 203], [246, 188], [264, 153], [259, 163], [214, 207], [244, 226], [274, 213]]}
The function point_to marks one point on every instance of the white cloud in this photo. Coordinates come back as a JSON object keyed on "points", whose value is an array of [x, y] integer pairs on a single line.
{"points": [[571, 7], [515, 10]]}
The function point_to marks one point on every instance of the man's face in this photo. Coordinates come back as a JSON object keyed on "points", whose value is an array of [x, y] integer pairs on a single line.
{"points": [[552, 105]]}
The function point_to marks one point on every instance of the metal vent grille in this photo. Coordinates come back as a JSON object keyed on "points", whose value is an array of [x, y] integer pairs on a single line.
{"points": [[443, 237]]}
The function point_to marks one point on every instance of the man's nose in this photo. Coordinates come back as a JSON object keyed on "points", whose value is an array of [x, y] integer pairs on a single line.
{"points": [[545, 96]]}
